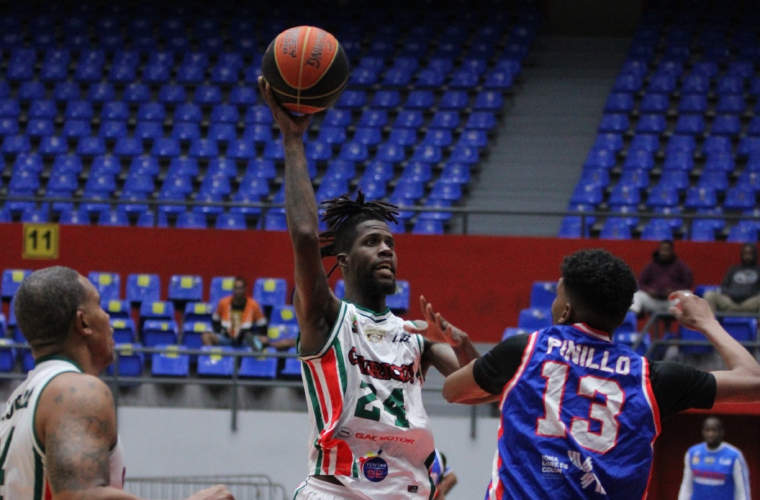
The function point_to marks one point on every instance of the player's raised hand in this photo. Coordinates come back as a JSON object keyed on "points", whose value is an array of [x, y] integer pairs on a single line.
{"points": [[289, 124], [218, 492], [434, 328], [691, 311]]}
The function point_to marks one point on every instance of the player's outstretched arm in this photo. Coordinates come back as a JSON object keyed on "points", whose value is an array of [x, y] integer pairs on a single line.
{"points": [[741, 381], [316, 306], [76, 422], [446, 347]]}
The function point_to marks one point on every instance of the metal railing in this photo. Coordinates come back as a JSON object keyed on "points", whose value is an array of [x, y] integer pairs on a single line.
{"points": [[234, 380], [461, 212], [243, 487], [659, 317]]}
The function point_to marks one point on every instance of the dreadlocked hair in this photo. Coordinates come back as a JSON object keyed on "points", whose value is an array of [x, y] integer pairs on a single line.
{"points": [[342, 215]]}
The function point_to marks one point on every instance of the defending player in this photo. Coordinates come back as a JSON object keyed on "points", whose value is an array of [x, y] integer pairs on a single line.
{"points": [[579, 413], [58, 431], [362, 370]]}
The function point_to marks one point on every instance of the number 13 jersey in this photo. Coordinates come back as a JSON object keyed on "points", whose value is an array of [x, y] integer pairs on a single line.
{"points": [[364, 391], [579, 420]]}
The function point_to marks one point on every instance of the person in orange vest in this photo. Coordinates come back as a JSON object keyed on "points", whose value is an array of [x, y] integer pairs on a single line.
{"points": [[237, 319]]}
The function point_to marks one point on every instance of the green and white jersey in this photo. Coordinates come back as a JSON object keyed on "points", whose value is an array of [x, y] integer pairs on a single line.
{"points": [[369, 428], [22, 456]]}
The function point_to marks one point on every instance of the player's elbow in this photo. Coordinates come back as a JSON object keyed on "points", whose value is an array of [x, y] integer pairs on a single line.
{"points": [[451, 395]]}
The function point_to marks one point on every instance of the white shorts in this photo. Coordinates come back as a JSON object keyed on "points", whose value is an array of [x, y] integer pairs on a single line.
{"points": [[316, 489]]}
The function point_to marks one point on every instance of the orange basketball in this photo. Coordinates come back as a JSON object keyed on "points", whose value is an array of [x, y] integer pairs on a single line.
{"points": [[306, 68]]}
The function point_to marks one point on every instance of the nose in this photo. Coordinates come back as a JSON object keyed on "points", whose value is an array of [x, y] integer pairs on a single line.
{"points": [[385, 249]]}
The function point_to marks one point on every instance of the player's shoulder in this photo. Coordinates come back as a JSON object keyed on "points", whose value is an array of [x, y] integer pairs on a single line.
{"points": [[78, 387], [732, 450]]}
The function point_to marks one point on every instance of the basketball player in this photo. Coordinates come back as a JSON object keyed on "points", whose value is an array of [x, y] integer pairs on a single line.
{"points": [[442, 475], [580, 414], [363, 370], [58, 431], [714, 469]]}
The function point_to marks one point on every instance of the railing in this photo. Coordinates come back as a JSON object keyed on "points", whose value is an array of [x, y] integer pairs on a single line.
{"points": [[234, 381], [242, 487], [657, 317], [463, 213]]}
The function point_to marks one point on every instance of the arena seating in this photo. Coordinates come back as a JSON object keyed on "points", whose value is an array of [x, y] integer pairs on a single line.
{"points": [[679, 132], [141, 104], [537, 316]]}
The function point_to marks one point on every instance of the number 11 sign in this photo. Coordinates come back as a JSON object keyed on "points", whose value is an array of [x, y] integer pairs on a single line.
{"points": [[40, 241]]}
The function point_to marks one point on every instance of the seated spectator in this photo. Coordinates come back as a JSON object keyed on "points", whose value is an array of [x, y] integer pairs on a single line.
{"points": [[237, 319], [661, 277], [740, 290]]}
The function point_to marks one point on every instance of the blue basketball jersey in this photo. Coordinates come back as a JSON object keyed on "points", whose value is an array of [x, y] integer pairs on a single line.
{"points": [[716, 474], [579, 419]]}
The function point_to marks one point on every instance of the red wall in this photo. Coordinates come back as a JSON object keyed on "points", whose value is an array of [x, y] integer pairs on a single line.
{"points": [[479, 283]]}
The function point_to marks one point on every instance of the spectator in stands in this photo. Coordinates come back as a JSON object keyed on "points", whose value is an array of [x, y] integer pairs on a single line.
{"points": [[661, 277], [714, 470], [740, 290], [237, 319]]}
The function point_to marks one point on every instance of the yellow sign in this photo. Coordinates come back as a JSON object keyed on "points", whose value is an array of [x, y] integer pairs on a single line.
{"points": [[40, 241], [270, 285], [228, 283], [186, 282]]}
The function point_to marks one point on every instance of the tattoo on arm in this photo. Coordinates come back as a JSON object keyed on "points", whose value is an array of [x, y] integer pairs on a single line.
{"points": [[79, 441]]}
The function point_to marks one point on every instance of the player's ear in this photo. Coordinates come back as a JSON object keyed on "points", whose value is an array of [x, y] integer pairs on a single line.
{"points": [[566, 314], [343, 260], [80, 323]]}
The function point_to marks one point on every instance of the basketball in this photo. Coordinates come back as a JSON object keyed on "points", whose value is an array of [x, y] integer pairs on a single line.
{"points": [[306, 68]]}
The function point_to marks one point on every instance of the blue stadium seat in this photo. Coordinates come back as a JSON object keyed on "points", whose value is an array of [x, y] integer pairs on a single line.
{"points": [[613, 123], [428, 226], [221, 286], [215, 363], [185, 287], [511, 332], [123, 330], [533, 319], [619, 102], [743, 232], [108, 285], [692, 335], [270, 291], [615, 228], [143, 287], [488, 100], [690, 125], [542, 294], [741, 329], [11, 280], [654, 103], [639, 159], [692, 103], [726, 125], [258, 367], [480, 120], [169, 363], [116, 308], [657, 230], [385, 99], [399, 301], [645, 142], [130, 363], [419, 100], [740, 198], [242, 96], [600, 159], [651, 124], [703, 230]]}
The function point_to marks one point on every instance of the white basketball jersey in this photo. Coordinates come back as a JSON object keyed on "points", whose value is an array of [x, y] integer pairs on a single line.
{"points": [[364, 388], [22, 456]]}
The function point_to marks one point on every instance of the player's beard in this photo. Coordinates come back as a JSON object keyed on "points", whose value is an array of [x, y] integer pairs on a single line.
{"points": [[373, 287]]}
